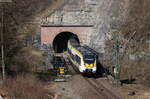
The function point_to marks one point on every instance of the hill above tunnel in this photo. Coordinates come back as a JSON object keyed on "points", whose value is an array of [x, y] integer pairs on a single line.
{"points": [[125, 20]]}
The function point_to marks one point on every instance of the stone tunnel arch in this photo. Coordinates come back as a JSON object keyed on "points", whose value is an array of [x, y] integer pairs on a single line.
{"points": [[60, 41]]}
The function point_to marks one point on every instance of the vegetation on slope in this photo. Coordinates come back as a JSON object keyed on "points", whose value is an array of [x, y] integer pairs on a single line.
{"points": [[134, 37], [22, 29]]}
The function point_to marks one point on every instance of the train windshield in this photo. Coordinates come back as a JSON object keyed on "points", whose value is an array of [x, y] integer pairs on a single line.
{"points": [[89, 59]]}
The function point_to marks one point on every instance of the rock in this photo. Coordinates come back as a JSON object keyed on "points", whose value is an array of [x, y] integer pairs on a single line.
{"points": [[102, 89], [131, 93], [59, 80], [133, 57], [62, 87], [1, 97]]}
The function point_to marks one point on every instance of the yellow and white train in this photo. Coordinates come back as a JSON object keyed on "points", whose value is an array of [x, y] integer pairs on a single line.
{"points": [[82, 58]]}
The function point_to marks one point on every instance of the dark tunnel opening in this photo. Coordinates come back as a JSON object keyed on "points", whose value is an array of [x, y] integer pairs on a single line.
{"points": [[61, 40]]}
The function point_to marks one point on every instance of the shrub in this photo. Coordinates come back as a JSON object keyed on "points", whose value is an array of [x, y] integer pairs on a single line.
{"points": [[25, 87]]}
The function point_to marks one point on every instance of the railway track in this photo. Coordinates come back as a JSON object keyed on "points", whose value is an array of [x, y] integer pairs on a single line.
{"points": [[100, 89], [71, 69]]}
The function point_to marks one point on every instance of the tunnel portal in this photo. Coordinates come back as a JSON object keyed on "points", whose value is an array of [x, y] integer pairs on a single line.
{"points": [[61, 40]]}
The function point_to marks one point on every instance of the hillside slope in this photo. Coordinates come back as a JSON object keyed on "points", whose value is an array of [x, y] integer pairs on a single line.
{"points": [[22, 20]]}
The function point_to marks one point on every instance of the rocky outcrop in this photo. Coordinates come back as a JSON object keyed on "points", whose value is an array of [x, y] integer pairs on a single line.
{"points": [[126, 19], [105, 15]]}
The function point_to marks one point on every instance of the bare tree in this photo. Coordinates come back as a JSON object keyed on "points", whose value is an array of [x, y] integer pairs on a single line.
{"points": [[2, 37], [2, 44]]}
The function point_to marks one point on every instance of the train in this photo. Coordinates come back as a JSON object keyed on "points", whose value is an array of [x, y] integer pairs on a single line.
{"points": [[84, 59]]}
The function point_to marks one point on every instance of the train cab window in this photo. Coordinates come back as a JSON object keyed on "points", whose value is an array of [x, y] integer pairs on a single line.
{"points": [[89, 59]]}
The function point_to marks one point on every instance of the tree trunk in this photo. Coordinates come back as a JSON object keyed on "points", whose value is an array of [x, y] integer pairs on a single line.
{"points": [[2, 43]]}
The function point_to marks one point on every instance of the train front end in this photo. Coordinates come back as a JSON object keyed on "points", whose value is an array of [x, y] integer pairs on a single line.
{"points": [[90, 64]]}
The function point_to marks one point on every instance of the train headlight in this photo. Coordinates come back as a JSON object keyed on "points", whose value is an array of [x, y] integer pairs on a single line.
{"points": [[91, 65], [86, 65]]}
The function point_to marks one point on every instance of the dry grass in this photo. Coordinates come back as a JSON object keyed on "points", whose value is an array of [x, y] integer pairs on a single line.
{"points": [[28, 59], [25, 87], [138, 69], [137, 21]]}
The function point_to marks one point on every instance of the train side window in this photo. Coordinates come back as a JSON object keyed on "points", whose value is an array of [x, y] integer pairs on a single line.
{"points": [[68, 51], [78, 60], [72, 55]]}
